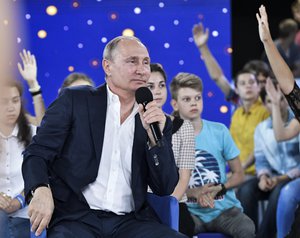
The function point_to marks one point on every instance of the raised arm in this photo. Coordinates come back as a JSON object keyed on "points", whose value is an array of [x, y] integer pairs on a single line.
{"points": [[281, 70], [29, 74], [215, 71]]}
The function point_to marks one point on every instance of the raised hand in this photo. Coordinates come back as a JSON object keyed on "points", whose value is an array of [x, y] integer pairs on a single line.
{"points": [[29, 69], [274, 94], [263, 25], [200, 36]]}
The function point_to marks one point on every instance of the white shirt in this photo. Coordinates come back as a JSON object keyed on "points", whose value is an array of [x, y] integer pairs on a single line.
{"points": [[112, 189], [11, 179]]}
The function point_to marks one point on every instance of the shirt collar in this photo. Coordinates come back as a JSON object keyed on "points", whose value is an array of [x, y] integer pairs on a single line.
{"points": [[257, 103], [113, 98], [13, 134]]}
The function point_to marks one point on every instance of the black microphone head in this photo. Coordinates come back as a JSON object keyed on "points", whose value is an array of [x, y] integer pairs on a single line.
{"points": [[143, 95]]}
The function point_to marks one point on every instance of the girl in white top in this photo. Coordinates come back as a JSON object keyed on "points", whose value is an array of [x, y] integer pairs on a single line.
{"points": [[15, 134]]}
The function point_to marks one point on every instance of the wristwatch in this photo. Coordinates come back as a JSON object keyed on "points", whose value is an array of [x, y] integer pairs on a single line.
{"points": [[222, 191]]}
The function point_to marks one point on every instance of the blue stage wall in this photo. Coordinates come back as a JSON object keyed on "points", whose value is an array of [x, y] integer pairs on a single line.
{"points": [[77, 33]]}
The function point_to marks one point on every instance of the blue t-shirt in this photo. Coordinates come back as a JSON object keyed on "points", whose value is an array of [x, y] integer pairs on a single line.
{"points": [[214, 147]]}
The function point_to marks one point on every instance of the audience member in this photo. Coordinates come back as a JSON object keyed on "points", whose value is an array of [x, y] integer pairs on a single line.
{"points": [[98, 141], [211, 200], [282, 130], [183, 141], [15, 134], [289, 198], [285, 79], [276, 164], [246, 118], [76, 79]]}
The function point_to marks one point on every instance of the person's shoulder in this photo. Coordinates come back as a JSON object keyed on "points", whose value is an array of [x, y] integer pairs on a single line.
{"points": [[238, 111], [185, 128], [82, 90], [215, 126], [187, 125]]}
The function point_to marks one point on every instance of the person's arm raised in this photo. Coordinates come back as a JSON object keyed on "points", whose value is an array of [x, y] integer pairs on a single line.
{"points": [[29, 74], [215, 71], [281, 70]]}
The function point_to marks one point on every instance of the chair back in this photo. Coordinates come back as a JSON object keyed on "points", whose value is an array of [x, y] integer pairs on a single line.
{"points": [[166, 208]]}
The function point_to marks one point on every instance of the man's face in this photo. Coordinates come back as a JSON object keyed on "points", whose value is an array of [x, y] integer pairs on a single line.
{"points": [[247, 87], [129, 68], [189, 103]]}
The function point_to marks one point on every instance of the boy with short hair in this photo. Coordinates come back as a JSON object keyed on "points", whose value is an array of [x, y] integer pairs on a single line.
{"points": [[212, 202]]}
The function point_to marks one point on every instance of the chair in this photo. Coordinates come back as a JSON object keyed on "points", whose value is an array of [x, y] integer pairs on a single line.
{"points": [[43, 235], [166, 208]]}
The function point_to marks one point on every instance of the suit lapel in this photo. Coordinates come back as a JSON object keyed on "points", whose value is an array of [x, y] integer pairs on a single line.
{"points": [[138, 149], [97, 114]]}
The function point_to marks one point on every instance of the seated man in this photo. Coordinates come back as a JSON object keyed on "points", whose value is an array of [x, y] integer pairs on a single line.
{"points": [[87, 170]]}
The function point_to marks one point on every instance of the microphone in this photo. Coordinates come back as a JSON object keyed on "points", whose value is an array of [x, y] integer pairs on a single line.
{"points": [[143, 96]]}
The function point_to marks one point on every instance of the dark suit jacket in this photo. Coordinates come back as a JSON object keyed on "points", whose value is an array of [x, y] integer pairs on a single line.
{"points": [[67, 149]]}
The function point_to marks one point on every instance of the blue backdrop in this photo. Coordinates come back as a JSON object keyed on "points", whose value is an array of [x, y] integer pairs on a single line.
{"points": [[78, 32]]}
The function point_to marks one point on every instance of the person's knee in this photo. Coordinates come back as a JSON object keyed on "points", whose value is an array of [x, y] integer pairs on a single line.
{"points": [[246, 228], [246, 189], [286, 194]]}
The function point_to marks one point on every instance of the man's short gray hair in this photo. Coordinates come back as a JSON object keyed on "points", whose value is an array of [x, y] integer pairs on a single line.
{"points": [[112, 45]]}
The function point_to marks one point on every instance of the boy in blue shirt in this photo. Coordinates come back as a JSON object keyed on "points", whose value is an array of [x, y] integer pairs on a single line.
{"points": [[212, 203]]}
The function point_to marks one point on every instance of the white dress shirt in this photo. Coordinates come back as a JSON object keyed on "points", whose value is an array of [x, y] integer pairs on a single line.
{"points": [[11, 179], [112, 189]]}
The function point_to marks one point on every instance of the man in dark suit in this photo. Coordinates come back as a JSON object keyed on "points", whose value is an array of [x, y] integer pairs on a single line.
{"points": [[87, 170]]}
